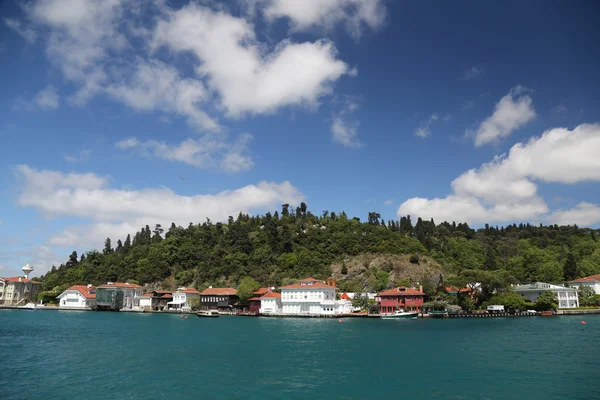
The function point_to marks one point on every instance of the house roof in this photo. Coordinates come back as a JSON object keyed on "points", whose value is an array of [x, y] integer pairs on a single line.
{"points": [[344, 296], [121, 285], [166, 296], [272, 295], [261, 291], [87, 292], [313, 285], [15, 279], [542, 286], [454, 289], [254, 299], [591, 278], [220, 291], [148, 295], [401, 291]]}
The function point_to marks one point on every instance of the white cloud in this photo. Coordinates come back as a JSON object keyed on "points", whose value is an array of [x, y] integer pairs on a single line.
{"points": [[474, 72], [424, 130], [305, 15], [344, 127], [388, 202], [116, 212], [504, 189], [78, 156], [27, 33], [206, 152], [583, 214], [247, 77], [47, 99], [512, 112], [157, 86]]}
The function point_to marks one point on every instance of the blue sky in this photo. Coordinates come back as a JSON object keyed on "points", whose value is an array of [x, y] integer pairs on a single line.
{"points": [[466, 111]]}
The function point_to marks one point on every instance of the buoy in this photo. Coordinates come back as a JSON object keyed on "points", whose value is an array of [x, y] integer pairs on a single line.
{"points": [[339, 320], [583, 323]]}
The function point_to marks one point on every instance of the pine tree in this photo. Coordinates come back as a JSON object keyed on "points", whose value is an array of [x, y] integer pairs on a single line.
{"points": [[344, 268], [119, 248], [72, 260], [127, 244], [570, 269], [107, 246]]}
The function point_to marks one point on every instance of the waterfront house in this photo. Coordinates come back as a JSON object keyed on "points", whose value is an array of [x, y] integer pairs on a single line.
{"points": [[312, 297], [156, 299], [254, 303], [223, 299], [19, 290], [270, 303], [566, 297], [592, 281], [118, 296], [182, 297], [408, 299], [78, 297]]}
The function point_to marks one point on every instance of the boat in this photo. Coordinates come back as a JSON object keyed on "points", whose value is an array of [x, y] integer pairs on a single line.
{"points": [[547, 313], [399, 314], [207, 314]]}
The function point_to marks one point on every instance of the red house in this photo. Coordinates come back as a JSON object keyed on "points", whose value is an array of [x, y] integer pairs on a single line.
{"points": [[254, 302], [400, 297]]}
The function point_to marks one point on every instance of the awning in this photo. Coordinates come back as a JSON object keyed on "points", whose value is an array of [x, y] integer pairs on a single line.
{"points": [[176, 302]]}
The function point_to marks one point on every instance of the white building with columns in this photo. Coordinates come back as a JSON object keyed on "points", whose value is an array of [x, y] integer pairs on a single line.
{"points": [[566, 297], [312, 297]]}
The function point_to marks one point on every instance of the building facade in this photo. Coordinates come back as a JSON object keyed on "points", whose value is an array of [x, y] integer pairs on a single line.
{"points": [[312, 297], [182, 297], [18, 291], [590, 281], [78, 297], [119, 296], [254, 303], [566, 297], [222, 299], [270, 303], [407, 299], [156, 300]]}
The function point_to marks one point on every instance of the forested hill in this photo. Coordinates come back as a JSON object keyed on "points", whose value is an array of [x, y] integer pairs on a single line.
{"points": [[277, 248]]}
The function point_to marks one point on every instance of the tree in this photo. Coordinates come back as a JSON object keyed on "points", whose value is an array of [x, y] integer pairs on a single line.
{"points": [[194, 303], [510, 300], [246, 288], [72, 260], [570, 269], [119, 248], [546, 301], [127, 244], [107, 247], [586, 296], [344, 268], [361, 300]]}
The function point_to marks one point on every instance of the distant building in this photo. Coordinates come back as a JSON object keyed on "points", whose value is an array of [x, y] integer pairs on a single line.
{"points": [[408, 299], [19, 290], [566, 297], [592, 281], [78, 297], [270, 303], [181, 298], [118, 296], [223, 299], [312, 297], [156, 300]]}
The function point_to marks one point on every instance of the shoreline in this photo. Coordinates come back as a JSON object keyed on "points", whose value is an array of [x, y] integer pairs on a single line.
{"points": [[565, 312]]}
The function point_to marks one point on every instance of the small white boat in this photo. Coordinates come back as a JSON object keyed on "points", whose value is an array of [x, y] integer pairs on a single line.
{"points": [[207, 314], [401, 314]]}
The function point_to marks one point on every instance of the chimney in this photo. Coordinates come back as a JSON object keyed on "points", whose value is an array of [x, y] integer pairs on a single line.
{"points": [[421, 288], [89, 285], [331, 282], [20, 279], [210, 287]]}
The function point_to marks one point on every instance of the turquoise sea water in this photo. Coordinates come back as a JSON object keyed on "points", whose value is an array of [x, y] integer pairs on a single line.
{"points": [[95, 355]]}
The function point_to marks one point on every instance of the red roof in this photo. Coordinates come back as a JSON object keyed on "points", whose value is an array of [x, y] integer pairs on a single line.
{"points": [[254, 299], [190, 290], [84, 290], [457, 290], [220, 291], [261, 291], [401, 291], [119, 285], [314, 285], [148, 295], [22, 280], [592, 278], [344, 296], [166, 296], [272, 295]]}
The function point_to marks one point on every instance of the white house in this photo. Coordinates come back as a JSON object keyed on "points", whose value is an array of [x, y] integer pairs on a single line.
{"points": [[567, 297], [270, 303], [312, 297], [78, 297], [591, 281], [182, 297]]}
